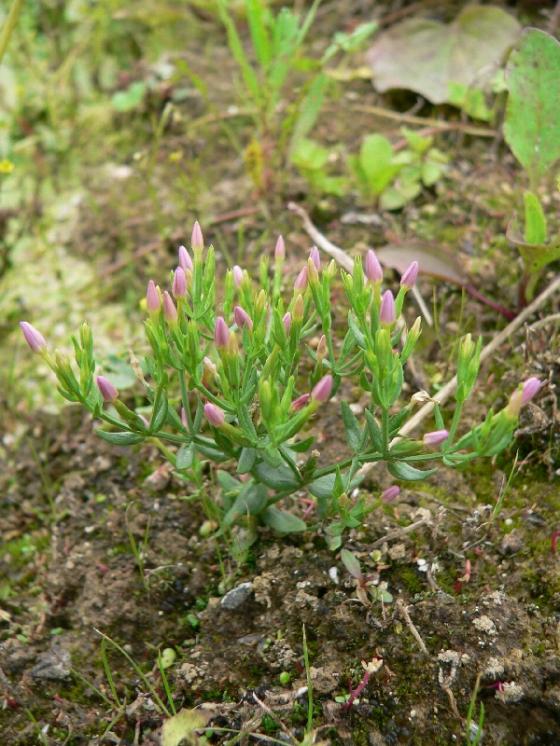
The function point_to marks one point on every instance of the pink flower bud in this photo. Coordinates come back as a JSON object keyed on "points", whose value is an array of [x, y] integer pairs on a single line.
{"points": [[390, 494], [531, 388], [300, 402], [179, 283], [435, 437], [185, 260], [237, 275], [322, 390], [322, 349], [408, 279], [184, 420], [221, 332], [153, 300], [315, 257], [280, 250], [387, 312], [374, 273], [169, 310], [197, 239], [214, 414], [108, 391], [298, 308], [287, 321], [301, 279], [34, 338], [242, 318]]}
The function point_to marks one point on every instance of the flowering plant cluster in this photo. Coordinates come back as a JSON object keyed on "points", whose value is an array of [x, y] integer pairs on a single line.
{"points": [[240, 380]]}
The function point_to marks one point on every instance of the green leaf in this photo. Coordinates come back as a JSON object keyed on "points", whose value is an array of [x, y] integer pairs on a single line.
{"points": [[184, 457], [323, 486], [308, 155], [409, 473], [535, 220], [227, 482], [250, 501], [532, 124], [353, 430], [182, 727], [129, 99], [120, 439], [246, 460], [159, 412], [351, 563], [282, 521], [376, 163], [425, 55], [279, 477], [302, 445]]}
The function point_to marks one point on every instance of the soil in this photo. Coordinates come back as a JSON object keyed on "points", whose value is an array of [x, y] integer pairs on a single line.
{"points": [[104, 547]]}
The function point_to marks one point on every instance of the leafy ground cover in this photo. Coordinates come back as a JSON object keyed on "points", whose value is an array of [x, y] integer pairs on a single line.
{"points": [[118, 606]]}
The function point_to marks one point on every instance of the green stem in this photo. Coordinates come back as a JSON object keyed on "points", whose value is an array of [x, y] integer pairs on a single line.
{"points": [[9, 26]]}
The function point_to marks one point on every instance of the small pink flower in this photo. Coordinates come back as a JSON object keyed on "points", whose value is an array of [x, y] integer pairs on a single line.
{"points": [[280, 250], [531, 388], [169, 310], [185, 260], [301, 279], [374, 273], [387, 312], [408, 279], [197, 239], [214, 414], [108, 391], [287, 321], [435, 437], [33, 337], [153, 300], [315, 257], [391, 493], [221, 332], [322, 390], [300, 402], [184, 420], [179, 283], [242, 318], [237, 275]]}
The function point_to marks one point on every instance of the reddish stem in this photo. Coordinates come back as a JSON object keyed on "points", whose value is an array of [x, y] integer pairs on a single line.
{"points": [[505, 312], [355, 693]]}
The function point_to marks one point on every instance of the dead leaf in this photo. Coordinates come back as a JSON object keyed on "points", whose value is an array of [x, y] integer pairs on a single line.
{"points": [[436, 263], [427, 56]]}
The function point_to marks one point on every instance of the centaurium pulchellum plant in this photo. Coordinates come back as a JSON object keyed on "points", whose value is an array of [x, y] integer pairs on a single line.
{"points": [[240, 382]]}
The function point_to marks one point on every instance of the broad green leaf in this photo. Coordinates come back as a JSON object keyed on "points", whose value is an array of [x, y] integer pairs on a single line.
{"points": [[425, 55], [323, 486], [277, 477], [376, 163], [532, 124], [309, 155], [120, 439], [353, 430], [129, 99], [351, 563], [251, 500], [185, 456], [246, 460], [535, 221], [282, 521], [409, 473], [181, 729]]}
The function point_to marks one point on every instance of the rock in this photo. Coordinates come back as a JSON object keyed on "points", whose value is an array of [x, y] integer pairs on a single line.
{"points": [[54, 664], [511, 543], [237, 596]]}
